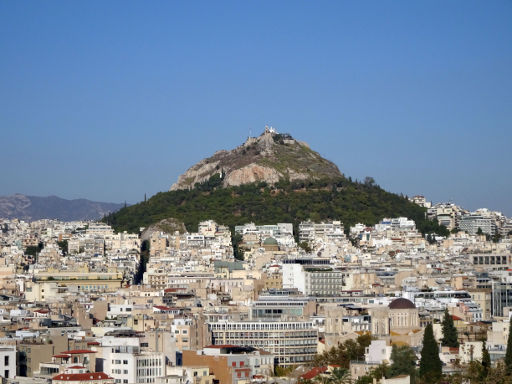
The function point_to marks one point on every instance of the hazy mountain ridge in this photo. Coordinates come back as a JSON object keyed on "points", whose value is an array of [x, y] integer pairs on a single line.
{"points": [[52, 207], [269, 158]]}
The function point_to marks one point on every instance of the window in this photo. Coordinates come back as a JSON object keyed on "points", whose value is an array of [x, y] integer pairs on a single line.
{"points": [[125, 361], [6, 373], [6, 361]]}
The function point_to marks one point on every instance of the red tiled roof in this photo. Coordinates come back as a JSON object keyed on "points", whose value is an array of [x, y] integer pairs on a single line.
{"points": [[62, 356], [78, 351], [93, 343], [313, 373], [82, 376], [76, 367], [162, 307], [173, 289], [456, 318]]}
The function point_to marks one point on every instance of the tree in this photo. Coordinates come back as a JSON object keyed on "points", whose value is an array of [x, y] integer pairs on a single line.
{"points": [[430, 363], [63, 245], [479, 231], [404, 361], [486, 361], [236, 239], [496, 237], [340, 376], [508, 354], [143, 260], [376, 373], [345, 352], [305, 246], [369, 181], [449, 331]]}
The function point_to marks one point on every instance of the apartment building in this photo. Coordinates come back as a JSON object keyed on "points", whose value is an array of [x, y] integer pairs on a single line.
{"points": [[472, 222], [8, 361], [314, 280], [123, 359], [292, 342], [309, 231]]}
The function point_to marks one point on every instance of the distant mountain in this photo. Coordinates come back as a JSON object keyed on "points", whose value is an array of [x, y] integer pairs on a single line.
{"points": [[269, 158], [52, 207]]}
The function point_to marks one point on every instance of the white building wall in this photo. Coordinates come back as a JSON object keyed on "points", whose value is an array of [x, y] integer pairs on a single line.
{"points": [[294, 277], [7, 361]]}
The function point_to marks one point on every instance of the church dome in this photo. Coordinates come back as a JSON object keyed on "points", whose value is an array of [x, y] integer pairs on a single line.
{"points": [[402, 303]]}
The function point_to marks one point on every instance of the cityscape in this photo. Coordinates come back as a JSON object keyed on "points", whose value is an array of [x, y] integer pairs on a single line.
{"points": [[156, 228]]}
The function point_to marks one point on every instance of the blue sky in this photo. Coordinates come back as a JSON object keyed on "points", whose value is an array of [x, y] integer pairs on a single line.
{"points": [[111, 100]]}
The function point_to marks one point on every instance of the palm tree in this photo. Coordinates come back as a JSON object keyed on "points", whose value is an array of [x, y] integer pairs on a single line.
{"points": [[337, 376]]}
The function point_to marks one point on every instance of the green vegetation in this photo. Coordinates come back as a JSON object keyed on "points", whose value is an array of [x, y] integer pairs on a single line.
{"points": [[450, 338], [305, 246], [63, 245], [430, 363], [34, 250], [282, 371], [143, 261], [343, 353], [508, 354], [341, 199], [236, 239], [486, 361], [481, 373], [404, 363]]}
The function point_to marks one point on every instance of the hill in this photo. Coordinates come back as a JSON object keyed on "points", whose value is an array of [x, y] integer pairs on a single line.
{"points": [[52, 207], [285, 201], [268, 158]]}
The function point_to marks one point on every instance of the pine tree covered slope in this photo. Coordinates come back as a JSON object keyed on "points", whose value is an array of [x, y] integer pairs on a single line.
{"points": [[340, 199]]}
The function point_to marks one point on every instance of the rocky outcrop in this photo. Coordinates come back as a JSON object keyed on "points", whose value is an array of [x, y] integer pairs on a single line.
{"points": [[169, 226], [250, 174], [269, 158]]}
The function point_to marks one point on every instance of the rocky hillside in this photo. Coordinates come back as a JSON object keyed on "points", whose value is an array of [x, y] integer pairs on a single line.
{"points": [[52, 207], [269, 158]]}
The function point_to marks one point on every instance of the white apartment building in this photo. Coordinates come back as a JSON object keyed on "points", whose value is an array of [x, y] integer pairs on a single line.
{"points": [[123, 359], [395, 224], [8, 361], [309, 231], [292, 342], [314, 281], [470, 224]]}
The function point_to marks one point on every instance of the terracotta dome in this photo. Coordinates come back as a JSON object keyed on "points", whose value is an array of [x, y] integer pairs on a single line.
{"points": [[402, 303]]}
